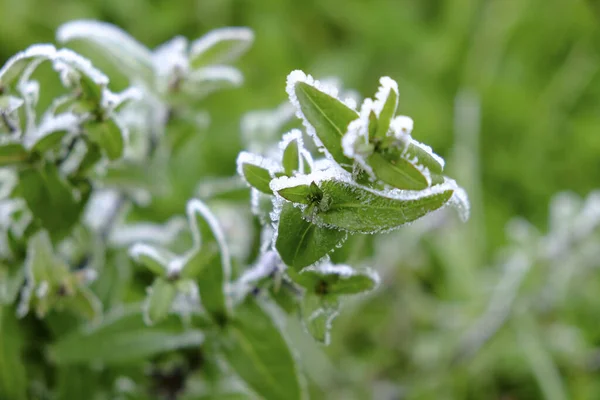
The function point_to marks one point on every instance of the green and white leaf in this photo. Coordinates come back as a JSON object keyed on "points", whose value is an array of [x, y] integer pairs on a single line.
{"points": [[220, 46]]}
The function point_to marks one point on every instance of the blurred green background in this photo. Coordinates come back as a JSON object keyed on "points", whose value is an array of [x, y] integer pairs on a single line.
{"points": [[508, 91]]}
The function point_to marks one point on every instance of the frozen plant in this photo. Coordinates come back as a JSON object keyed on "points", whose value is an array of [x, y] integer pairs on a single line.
{"points": [[119, 290]]}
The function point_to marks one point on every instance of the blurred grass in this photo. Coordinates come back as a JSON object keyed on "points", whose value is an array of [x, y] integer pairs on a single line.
{"points": [[531, 68]]}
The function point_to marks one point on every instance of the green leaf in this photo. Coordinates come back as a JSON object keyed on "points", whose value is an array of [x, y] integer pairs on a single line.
{"points": [[329, 117], [12, 152], [425, 158], [330, 279], [291, 158], [210, 264], [155, 259], [50, 199], [13, 376], [388, 111], [159, 300], [297, 194], [357, 209], [257, 351], [318, 313], [220, 46], [17, 64], [10, 284], [108, 135], [122, 338], [301, 243], [257, 177], [49, 141], [83, 303], [113, 44], [393, 169]]}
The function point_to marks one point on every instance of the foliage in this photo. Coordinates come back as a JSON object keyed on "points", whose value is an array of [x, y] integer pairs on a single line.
{"points": [[435, 322]]}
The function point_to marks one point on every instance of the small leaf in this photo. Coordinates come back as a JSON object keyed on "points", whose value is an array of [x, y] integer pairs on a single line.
{"points": [[390, 167], [329, 117], [13, 376], [159, 301], [388, 94], [297, 194], [318, 313], [108, 135], [12, 152], [113, 44], [257, 177], [155, 259], [121, 338], [291, 158], [357, 209], [210, 265], [256, 350], [301, 243], [50, 199], [220, 46], [330, 279], [83, 303], [425, 157]]}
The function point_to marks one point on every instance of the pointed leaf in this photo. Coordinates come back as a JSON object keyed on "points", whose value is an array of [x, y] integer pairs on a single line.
{"points": [[301, 243], [113, 44], [220, 46], [257, 177], [155, 259], [159, 300], [297, 194], [17, 64], [291, 158], [256, 350], [387, 94], [328, 116], [361, 210]]}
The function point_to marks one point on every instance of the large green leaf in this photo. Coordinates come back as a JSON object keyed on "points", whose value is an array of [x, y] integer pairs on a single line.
{"points": [[358, 209], [257, 351], [328, 116], [13, 376], [301, 243]]}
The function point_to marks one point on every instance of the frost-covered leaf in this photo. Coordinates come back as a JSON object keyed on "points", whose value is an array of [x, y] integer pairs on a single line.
{"points": [[13, 376], [122, 338], [318, 313], [327, 118], [12, 151], [112, 43], [50, 199], [387, 102], [10, 104], [108, 134], [291, 157], [301, 243], [210, 265], [331, 279], [220, 46], [357, 209], [297, 194], [159, 300], [155, 259], [51, 131], [17, 64], [390, 167], [256, 171], [10, 284], [257, 351]]}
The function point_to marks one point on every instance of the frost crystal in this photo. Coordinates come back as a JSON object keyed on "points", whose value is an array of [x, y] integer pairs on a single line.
{"points": [[387, 85]]}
